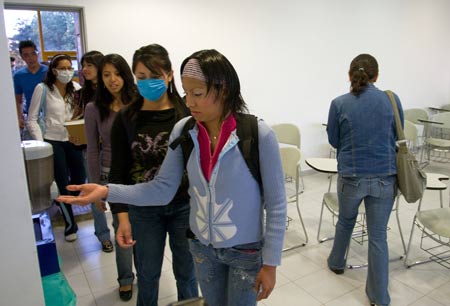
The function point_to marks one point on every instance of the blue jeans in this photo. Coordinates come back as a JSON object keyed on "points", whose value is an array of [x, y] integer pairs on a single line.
{"points": [[150, 226], [378, 194], [124, 260], [100, 225], [68, 169], [227, 276]]}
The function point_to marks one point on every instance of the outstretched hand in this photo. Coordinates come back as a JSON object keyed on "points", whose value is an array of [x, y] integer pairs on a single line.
{"points": [[89, 193]]}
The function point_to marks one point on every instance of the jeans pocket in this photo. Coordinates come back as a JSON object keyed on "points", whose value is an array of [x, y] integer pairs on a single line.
{"points": [[349, 187], [248, 248], [387, 187], [244, 257]]}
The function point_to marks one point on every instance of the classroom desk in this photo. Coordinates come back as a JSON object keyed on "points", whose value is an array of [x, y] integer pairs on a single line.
{"points": [[324, 165], [438, 109]]}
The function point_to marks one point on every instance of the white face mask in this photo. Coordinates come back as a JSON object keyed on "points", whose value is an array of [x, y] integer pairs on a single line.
{"points": [[64, 76]]}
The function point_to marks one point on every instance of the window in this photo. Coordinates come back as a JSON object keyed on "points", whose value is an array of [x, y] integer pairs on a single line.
{"points": [[53, 29]]}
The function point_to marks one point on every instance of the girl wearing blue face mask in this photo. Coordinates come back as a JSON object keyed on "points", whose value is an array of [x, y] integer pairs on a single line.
{"points": [[55, 98], [139, 142]]}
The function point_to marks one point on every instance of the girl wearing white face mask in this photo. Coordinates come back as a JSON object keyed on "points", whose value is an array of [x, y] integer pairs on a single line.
{"points": [[54, 99]]}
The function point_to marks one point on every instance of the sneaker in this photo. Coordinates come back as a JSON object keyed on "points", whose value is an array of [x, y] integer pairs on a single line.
{"points": [[107, 246], [71, 237]]}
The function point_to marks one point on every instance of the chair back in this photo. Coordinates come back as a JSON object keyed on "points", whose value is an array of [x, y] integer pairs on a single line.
{"points": [[410, 133], [443, 118], [414, 114], [287, 133], [446, 107], [290, 158]]}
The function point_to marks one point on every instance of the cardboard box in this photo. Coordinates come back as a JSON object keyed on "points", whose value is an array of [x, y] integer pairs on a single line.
{"points": [[76, 130]]}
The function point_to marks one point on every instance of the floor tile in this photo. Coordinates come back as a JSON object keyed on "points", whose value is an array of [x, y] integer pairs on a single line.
{"points": [[290, 295], [426, 301], [441, 294], [324, 285]]}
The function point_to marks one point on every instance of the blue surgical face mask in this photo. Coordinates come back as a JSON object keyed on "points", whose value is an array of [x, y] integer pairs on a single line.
{"points": [[151, 89]]}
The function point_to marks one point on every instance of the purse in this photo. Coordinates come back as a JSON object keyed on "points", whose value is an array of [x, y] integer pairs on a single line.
{"points": [[411, 180]]}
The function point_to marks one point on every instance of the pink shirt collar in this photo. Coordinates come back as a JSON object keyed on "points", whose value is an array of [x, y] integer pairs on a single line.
{"points": [[208, 160]]}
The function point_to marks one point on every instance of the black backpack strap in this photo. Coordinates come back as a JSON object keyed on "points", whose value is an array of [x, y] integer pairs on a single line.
{"points": [[185, 140], [247, 131]]}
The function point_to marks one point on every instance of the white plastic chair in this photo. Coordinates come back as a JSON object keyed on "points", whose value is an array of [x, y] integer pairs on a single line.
{"points": [[446, 107], [415, 114], [289, 134], [437, 136], [290, 158], [411, 135], [434, 225]]}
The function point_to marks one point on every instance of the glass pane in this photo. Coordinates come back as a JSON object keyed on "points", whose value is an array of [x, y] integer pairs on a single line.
{"points": [[21, 25], [58, 30]]}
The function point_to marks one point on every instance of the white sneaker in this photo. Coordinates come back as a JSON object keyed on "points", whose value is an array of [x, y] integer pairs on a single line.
{"points": [[71, 237]]}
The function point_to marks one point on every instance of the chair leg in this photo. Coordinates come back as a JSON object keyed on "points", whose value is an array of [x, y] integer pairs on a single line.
{"points": [[301, 178], [320, 226], [303, 224], [398, 223], [301, 219], [303, 184], [320, 240], [407, 265]]}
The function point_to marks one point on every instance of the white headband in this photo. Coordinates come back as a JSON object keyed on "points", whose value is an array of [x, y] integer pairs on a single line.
{"points": [[192, 70]]}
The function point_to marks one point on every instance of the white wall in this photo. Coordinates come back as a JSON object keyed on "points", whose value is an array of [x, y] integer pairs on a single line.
{"points": [[292, 56], [20, 281]]}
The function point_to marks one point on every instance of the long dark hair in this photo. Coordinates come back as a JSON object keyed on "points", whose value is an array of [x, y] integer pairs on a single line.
{"points": [[88, 90], [156, 59], [221, 76], [363, 70], [50, 79], [104, 98]]}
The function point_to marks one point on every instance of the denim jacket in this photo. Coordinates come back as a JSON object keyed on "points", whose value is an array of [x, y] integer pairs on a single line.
{"points": [[362, 129]]}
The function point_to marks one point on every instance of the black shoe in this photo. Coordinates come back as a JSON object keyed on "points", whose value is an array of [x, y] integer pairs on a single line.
{"points": [[126, 295], [107, 246], [337, 271]]}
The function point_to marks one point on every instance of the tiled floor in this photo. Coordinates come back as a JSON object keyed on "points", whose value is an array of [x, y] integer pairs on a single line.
{"points": [[302, 279]]}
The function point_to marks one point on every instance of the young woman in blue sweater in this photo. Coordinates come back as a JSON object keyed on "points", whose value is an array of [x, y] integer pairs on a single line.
{"points": [[235, 249]]}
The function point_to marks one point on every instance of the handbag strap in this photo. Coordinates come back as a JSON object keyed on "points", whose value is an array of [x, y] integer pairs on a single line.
{"points": [[43, 97], [398, 124]]}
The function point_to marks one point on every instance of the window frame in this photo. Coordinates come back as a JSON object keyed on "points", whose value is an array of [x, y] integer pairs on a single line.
{"points": [[47, 55]]}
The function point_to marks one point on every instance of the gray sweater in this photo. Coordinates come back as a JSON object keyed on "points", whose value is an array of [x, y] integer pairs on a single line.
{"points": [[97, 131]]}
